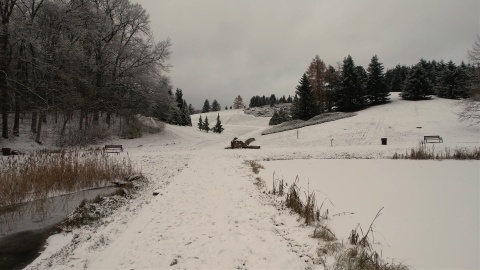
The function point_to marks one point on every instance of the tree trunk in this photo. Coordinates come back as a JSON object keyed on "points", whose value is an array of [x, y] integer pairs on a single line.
{"points": [[65, 121], [87, 120], [109, 118], [39, 127], [4, 102], [82, 115], [4, 65], [33, 126], [16, 123], [96, 117]]}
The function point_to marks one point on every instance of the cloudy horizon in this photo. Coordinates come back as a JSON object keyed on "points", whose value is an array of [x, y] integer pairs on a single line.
{"points": [[222, 49]]}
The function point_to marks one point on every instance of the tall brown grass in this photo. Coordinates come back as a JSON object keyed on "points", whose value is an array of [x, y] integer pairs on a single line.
{"points": [[44, 173], [424, 151]]}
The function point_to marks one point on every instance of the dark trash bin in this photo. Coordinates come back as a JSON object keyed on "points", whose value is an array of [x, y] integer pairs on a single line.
{"points": [[384, 141], [6, 151]]}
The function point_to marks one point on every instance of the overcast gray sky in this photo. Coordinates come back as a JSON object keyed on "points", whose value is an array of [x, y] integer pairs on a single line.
{"points": [[225, 48]]}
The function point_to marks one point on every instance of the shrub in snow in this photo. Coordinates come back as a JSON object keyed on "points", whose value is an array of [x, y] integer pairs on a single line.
{"points": [[278, 117]]}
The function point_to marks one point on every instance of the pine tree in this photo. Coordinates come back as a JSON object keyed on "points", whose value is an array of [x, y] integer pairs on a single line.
{"points": [[185, 115], [332, 81], [349, 94], [305, 106], [179, 98], [215, 106], [206, 106], [272, 100], [362, 85], [294, 109], [431, 73], [191, 108], [176, 118], [218, 126], [206, 125], [278, 117], [417, 85], [451, 82], [226, 108], [200, 123], [376, 88]]}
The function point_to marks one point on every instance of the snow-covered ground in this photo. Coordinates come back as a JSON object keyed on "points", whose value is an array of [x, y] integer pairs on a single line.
{"points": [[210, 215]]}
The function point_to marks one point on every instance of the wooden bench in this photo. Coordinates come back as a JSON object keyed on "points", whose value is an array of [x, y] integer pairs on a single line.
{"points": [[113, 148], [432, 137]]}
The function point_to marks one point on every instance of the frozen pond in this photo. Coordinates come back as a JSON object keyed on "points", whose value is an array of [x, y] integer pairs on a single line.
{"points": [[431, 216], [24, 230], [41, 214]]}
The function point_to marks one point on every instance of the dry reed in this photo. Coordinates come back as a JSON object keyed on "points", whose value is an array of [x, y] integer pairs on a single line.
{"points": [[44, 173], [423, 151]]}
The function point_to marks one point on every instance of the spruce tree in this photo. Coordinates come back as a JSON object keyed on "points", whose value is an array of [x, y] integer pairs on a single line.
{"points": [[215, 106], [272, 100], [306, 106], [349, 94], [376, 88], [226, 108], [206, 106], [294, 108], [278, 117], [200, 123], [206, 125], [362, 85], [218, 126], [417, 85], [332, 81], [451, 82], [179, 98], [185, 115]]}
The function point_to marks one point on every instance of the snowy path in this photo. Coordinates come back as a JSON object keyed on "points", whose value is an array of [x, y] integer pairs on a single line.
{"points": [[203, 221], [208, 215]]}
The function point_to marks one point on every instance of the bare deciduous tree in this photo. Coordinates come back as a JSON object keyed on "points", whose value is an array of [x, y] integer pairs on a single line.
{"points": [[470, 107], [316, 76], [238, 103], [6, 10]]}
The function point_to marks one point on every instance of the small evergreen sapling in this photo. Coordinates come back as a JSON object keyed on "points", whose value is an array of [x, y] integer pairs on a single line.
{"points": [[218, 126], [206, 125], [200, 123], [278, 117]]}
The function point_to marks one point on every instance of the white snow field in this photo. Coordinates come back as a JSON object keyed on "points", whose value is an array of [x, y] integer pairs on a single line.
{"points": [[210, 215]]}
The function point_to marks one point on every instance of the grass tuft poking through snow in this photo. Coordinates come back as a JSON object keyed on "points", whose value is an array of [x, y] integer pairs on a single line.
{"points": [[323, 232], [254, 165]]}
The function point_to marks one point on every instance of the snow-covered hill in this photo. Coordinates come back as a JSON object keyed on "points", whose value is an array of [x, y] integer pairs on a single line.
{"points": [[210, 215]]}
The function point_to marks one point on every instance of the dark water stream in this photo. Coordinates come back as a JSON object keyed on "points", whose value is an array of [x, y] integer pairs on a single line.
{"points": [[25, 228]]}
